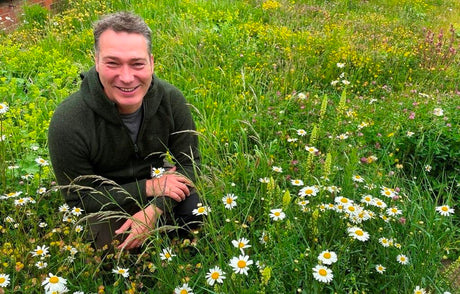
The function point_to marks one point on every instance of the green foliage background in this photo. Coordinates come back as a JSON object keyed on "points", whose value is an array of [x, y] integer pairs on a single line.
{"points": [[242, 65]]}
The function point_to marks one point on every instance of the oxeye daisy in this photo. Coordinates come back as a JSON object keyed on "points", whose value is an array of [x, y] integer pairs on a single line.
{"points": [[3, 108], [379, 203], [277, 214], [265, 180], [301, 132], [380, 268], [215, 275], [385, 242], [264, 238], [445, 210], [438, 111], [64, 208], [327, 257], [419, 290], [303, 202], [41, 162], [388, 192], [322, 273], [157, 172], [357, 178], [277, 169], [333, 189], [311, 149], [241, 243], [41, 190], [241, 264], [296, 182], [55, 284], [184, 289], [121, 271], [201, 210], [358, 234], [308, 191], [4, 280], [229, 201], [367, 199], [402, 259], [167, 254], [343, 200], [393, 211], [40, 251], [77, 211]]}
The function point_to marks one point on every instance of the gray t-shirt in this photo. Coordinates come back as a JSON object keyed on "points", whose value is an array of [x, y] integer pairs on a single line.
{"points": [[133, 122]]}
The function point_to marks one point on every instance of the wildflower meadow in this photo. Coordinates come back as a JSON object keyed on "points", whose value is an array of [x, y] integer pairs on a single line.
{"points": [[330, 138]]}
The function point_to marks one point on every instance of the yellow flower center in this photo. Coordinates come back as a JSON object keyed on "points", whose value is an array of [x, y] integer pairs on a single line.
{"points": [[54, 280], [39, 252], [359, 232], [322, 272], [167, 255], [229, 200], [2, 279], [444, 208], [201, 209], [344, 200], [327, 255], [351, 208], [215, 275], [308, 191], [277, 213], [241, 264], [241, 245], [183, 291]]}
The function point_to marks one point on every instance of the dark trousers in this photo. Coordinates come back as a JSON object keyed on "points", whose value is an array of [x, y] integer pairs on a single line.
{"points": [[179, 218]]}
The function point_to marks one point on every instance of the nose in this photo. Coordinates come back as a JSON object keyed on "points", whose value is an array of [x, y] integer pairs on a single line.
{"points": [[126, 75]]}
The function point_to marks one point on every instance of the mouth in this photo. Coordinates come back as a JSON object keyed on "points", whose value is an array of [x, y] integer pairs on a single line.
{"points": [[127, 90]]}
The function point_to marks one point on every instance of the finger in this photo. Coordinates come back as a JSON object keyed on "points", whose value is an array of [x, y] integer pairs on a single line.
{"points": [[124, 227], [174, 195]]}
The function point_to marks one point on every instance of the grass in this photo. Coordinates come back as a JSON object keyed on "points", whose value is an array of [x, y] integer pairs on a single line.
{"points": [[362, 82]]}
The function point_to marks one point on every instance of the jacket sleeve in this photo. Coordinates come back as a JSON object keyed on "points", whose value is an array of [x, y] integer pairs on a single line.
{"points": [[80, 186]]}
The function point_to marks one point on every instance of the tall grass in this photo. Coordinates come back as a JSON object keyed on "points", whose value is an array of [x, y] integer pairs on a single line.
{"points": [[371, 86]]}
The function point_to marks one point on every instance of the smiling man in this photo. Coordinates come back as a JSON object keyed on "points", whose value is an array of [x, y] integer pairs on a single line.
{"points": [[109, 140]]}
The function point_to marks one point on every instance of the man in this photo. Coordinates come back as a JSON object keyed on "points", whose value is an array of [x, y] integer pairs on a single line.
{"points": [[124, 122]]}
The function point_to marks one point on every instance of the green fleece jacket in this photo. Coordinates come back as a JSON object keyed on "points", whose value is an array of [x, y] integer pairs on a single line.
{"points": [[88, 138]]}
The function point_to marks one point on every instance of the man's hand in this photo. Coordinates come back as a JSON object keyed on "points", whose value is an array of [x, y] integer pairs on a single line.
{"points": [[170, 184], [140, 223]]}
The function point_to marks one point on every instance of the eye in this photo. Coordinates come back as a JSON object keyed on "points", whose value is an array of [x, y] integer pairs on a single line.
{"points": [[138, 65], [111, 64]]}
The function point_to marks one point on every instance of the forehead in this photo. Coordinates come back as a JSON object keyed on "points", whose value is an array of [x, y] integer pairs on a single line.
{"points": [[116, 43]]}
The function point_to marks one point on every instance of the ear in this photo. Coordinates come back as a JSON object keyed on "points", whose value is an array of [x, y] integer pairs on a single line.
{"points": [[96, 62], [152, 63]]}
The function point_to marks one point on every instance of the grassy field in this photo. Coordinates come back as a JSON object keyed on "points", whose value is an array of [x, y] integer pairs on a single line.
{"points": [[330, 140]]}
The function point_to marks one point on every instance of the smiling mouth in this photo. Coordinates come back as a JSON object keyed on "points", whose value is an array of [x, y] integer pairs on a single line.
{"points": [[127, 90]]}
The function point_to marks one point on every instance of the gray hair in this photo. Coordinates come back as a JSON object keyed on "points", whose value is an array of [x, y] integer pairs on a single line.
{"points": [[122, 22]]}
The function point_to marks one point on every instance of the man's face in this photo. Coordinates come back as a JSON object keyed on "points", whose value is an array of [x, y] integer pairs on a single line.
{"points": [[125, 68]]}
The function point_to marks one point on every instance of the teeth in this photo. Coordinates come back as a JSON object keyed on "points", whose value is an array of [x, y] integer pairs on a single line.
{"points": [[127, 89]]}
